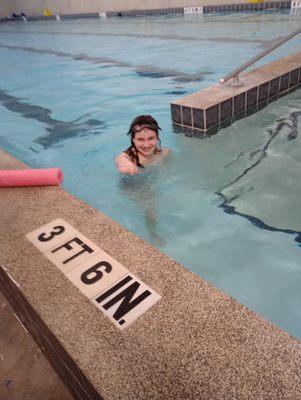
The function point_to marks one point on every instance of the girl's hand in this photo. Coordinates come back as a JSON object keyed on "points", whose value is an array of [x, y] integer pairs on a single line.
{"points": [[125, 165], [128, 168]]}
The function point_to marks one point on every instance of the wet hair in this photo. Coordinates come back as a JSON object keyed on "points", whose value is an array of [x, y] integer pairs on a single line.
{"points": [[139, 123]]}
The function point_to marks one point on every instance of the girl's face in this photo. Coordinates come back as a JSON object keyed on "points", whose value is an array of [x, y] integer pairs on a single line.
{"points": [[146, 142]]}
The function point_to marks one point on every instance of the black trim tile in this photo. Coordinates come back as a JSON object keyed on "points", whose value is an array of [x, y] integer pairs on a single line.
{"points": [[294, 77], [177, 128], [252, 110], [213, 130], [262, 105], [198, 118], [239, 102], [238, 116], [226, 109], [227, 122], [176, 113], [188, 131], [252, 97], [274, 87], [273, 98], [284, 81], [200, 134], [299, 74], [212, 116], [263, 92], [186, 115]]}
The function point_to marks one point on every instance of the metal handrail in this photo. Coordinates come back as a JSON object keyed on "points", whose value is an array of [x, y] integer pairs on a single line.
{"points": [[235, 74]]}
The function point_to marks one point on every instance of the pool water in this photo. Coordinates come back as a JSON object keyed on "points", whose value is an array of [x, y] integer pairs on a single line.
{"points": [[226, 207]]}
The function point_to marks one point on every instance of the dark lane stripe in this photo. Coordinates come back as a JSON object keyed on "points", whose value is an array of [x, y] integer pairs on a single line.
{"points": [[147, 36], [260, 224], [292, 123], [142, 70], [57, 130]]}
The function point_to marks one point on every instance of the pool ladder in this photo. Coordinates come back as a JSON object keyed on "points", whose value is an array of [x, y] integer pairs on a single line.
{"points": [[235, 73]]}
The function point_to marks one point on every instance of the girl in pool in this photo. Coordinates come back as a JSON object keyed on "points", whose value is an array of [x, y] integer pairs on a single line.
{"points": [[145, 146]]}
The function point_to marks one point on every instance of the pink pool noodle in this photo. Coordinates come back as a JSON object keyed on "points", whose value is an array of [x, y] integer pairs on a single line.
{"points": [[31, 177]]}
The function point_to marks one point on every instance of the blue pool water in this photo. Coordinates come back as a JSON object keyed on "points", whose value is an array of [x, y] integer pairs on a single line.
{"points": [[227, 207]]}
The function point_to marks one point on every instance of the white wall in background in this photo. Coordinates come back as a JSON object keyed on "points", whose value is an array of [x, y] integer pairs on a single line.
{"points": [[36, 7], [6, 8]]}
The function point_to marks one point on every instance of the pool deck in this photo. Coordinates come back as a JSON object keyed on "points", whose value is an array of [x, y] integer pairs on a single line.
{"points": [[194, 343], [18, 351], [218, 106]]}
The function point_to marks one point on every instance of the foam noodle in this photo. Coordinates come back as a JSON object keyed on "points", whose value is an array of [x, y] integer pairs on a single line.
{"points": [[31, 177]]}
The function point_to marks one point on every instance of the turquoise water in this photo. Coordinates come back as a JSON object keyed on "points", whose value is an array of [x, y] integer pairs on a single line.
{"points": [[226, 207]]}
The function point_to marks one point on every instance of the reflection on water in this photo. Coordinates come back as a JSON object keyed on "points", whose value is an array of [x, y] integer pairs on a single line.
{"points": [[57, 130], [142, 189], [269, 188]]}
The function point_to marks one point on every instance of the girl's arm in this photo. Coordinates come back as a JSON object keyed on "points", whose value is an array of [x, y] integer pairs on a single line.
{"points": [[125, 165]]}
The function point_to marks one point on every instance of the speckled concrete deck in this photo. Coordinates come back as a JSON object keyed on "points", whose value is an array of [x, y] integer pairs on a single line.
{"points": [[195, 343], [17, 352]]}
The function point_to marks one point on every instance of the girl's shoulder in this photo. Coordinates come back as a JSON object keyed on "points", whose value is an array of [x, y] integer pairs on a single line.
{"points": [[165, 151]]}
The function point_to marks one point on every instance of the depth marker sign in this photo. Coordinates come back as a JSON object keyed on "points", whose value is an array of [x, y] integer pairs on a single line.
{"points": [[120, 295]]}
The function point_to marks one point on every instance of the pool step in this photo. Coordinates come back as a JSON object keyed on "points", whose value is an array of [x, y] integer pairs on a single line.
{"points": [[206, 112]]}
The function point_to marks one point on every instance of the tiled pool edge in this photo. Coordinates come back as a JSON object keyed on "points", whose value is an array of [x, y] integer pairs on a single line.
{"points": [[227, 104], [207, 9], [195, 328]]}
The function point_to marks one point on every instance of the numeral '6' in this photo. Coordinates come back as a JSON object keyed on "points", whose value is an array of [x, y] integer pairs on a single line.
{"points": [[96, 274]]}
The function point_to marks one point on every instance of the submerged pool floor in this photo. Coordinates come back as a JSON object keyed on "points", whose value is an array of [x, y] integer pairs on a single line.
{"points": [[226, 207]]}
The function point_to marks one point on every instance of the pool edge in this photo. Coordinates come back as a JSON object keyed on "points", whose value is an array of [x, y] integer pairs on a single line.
{"points": [[228, 350]]}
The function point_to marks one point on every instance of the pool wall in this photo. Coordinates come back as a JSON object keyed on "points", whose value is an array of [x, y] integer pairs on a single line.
{"points": [[194, 343], [77, 8]]}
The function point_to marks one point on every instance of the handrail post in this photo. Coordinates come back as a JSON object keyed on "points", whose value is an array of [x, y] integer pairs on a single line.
{"points": [[235, 73], [236, 80]]}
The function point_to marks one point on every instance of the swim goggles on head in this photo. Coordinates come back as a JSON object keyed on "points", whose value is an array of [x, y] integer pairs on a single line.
{"points": [[152, 127]]}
